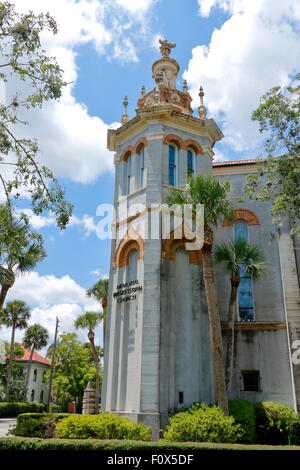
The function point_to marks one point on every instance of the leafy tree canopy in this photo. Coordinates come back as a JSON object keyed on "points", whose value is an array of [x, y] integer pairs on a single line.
{"points": [[73, 368], [278, 177], [22, 59]]}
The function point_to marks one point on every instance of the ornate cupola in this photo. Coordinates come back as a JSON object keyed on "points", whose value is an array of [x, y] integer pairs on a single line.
{"points": [[164, 73]]}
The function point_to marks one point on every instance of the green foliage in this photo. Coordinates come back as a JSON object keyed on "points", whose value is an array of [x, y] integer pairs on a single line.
{"points": [[11, 409], [37, 424], [273, 423], [56, 408], [102, 426], [295, 433], [89, 320], [36, 337], [278, 178], [73, 369], [203, 424], [244, 414], [15, 313], [24, 60]]}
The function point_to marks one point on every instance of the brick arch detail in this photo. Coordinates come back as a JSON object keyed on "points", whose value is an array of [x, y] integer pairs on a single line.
{"points": [[170, 245], [127, 152], [131, 241], [183, 144], [243, 214], [142, 142], [173, 139], [190, 143]]}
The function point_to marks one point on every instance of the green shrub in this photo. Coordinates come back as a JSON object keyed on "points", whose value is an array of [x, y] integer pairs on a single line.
{"points": [[37, 424], [204, 424], [102, 426], [244, 414], [273, 422], [295, 433], [13, 409], [55, 408]]}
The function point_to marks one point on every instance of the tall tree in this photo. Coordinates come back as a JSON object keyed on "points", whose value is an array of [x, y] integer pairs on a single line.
{"points": [[235, 257], [100, 292], [89, 321], [278, 178], [216, 198], [15, 315], [35, 338], [20, 249], [31, 78]]}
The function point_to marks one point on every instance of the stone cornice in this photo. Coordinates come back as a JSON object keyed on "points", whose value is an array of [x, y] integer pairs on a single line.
{"points": [[164, 115], [256, 325]]}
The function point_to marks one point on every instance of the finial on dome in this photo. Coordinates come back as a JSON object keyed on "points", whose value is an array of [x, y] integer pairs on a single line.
{"points": [[201, 109], [165, 47], [185, 86], [143, 90], [125, 115]]}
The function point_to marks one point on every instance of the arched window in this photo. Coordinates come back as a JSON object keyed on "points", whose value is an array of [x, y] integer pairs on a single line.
{"points": [[245, 290], [141, 156], [190, 163], [44, 377], [129, 176], [34, 375], [173, 173], [42, 396], [32, 395]]}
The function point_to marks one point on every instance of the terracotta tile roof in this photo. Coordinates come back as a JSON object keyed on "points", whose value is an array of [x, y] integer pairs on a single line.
{"points": [[36, 357], [239, 162]]}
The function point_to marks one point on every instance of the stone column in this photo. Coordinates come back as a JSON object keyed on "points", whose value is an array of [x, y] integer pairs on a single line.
{"points": [[89, 400]]}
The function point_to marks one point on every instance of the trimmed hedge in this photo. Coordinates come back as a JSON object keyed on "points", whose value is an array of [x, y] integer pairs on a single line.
{"points": [[203, 423], [244, 414], [102, 426], [274, 423], [18, 443], [37, 424], [13, 409]]}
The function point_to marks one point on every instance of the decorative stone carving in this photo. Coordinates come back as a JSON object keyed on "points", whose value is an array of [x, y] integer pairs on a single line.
{"points": [[165, 47], [89, 400]]}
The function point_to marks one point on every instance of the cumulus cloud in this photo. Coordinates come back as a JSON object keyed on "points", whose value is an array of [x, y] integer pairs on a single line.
{"points": [[256, 48], [68, 135], [50, 297]]}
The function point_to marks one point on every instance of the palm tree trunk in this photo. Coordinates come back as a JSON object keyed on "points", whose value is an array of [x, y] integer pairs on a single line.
{"points": [[96, 361], [230, 335], [10, 362], [215, 327], [29, 367], [3, 293]]}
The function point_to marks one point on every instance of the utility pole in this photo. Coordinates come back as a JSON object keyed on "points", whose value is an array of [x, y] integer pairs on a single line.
{"points": [[52, 365]]}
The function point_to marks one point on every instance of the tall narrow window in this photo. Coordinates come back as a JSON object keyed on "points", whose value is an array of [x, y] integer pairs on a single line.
{"points": [[245, 291], [190, 164], [129, 175], [172, 166], [34, 375], [142, 166]]}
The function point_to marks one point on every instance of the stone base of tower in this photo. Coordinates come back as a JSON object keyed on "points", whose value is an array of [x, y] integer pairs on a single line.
{"points": [[148, 419]]}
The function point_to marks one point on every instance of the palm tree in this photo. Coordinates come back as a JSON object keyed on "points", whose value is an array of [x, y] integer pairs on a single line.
{"points": [[15, 315], [20, 249], [100, 292], [89, 320], [216, 198], [234, 257], [35, 338]]}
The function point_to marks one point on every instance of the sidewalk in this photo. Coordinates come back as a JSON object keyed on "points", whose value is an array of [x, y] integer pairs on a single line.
{"points": [[5, 425]]}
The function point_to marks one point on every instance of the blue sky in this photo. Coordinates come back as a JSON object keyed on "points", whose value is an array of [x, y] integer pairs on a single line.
{"points": [[236, 49]]}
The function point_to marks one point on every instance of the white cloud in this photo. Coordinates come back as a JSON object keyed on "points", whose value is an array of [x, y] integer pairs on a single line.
{"points": [[69, 137], [256, 48], [51, 297]]}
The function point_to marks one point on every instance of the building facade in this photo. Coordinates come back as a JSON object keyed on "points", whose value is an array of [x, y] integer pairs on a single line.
{"points": [[157, 348]]}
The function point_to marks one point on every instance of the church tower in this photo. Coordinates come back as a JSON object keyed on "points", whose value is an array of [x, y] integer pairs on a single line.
{"points": [[157, 348]]}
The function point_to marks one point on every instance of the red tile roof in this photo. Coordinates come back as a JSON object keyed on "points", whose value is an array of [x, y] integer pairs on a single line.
{"points": [[239, 162], [36, 357]]}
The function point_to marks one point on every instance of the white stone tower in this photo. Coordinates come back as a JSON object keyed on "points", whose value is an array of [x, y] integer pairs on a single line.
{"points": [[157, 349]]}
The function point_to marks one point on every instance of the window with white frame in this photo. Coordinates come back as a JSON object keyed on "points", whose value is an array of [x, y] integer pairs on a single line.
{"points": [[245, 289], [190, 163], [173, 166]]}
